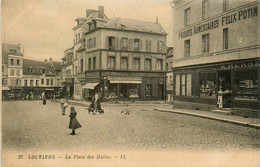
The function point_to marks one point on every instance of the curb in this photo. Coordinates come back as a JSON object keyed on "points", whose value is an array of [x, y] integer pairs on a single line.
{"points": [[211, 117]]}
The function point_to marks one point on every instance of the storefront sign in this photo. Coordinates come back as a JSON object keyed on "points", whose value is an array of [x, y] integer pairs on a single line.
{"points": [[225, 20], [240, 65]]}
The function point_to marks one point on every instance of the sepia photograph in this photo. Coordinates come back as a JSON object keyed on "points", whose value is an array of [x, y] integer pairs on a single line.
{"points": [[130, 83]]}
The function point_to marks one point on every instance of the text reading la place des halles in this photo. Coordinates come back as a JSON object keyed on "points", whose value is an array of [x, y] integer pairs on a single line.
{"points": [[225, 20]]}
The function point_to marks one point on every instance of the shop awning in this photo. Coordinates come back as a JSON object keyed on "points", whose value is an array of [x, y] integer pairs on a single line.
{"points": [[90, 85], [126, 80], [5, 88]]}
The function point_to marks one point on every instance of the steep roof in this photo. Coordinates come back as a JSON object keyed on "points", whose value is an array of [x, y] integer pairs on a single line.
{"points": [[134, 25], [57, 65], [37, 67], [10, 49]]}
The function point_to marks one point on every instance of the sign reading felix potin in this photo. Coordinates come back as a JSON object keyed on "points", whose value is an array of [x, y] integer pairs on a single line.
{"points": [[225, 20]]}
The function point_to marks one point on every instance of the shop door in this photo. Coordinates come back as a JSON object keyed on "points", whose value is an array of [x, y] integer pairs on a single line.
{"points": [[123, 90], [160, 92], [225, 87]]}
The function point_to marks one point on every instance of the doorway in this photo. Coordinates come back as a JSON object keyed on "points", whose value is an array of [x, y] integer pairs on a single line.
{"points": [[224, 87]]}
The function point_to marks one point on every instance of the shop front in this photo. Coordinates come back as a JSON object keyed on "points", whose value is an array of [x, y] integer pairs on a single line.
{"points": [[231, 84], [68, 89]]}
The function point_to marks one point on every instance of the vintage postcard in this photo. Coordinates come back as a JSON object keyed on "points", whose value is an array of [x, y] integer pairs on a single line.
{"points": [[130, 83]]}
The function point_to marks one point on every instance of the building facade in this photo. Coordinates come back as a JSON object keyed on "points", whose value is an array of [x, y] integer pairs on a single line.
{"points": [[216, 55], [169, 75], [119, 58], [12, 71], [68, 73]]}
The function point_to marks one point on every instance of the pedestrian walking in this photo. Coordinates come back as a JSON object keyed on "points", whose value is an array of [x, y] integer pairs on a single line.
{"points": [[74, 124], [44, 100], [63, 105]]}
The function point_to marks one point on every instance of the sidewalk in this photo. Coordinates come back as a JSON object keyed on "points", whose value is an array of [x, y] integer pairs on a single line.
{"points": [[164, 107], [249, 122]]}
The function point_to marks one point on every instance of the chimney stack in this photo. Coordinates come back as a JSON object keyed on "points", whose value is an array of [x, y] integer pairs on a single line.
{"points": [[101, 11], [89, 12]]}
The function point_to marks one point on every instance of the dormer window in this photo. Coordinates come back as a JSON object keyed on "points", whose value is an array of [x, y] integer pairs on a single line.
{"points": [[31, 70], [43, 71]]}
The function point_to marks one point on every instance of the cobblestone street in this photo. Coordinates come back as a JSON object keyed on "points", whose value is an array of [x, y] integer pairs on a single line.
{"points": [[30, 125]]}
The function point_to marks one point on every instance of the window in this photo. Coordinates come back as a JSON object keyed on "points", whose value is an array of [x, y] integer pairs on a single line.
{"points": [[81, 65], [112, 43], [205, 43], [51, 81], [47, 82], [111, 62], [89, 64], [160, 46], [43, 71], [171, 81], [94, 42], [148, 64], [124, 44], [25, 83], [131, 44], [177, 85], [186, 48], [31, 69], [205, 7], [187, 17], [18, 72], [124, 63], [183, 84], [37, 82], [31, 82], [137, 44], [148, 44], [12, 72], [225, 5], [159, 65], [94, 63], [12, 61], [17, 82], [208, 85], [42, 81], [136, 63], [148, 90], [18, 62], [225, 38], [3, 69], [89, 43]]}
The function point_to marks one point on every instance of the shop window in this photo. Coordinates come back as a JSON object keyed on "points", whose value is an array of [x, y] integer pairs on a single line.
{"points": [[124, 44], [205, 43], [124, 63], [133, 91], [148, 90], [25, 83], [148, 64], [137, 44], [42, 81], [111, 62], [186, 48], [47, 82], [148, 44], [159, 65], [94, 63], [225, 39], [183, 84], [51, 81], [187, 17], [177, 85], [246, 85], [12, 72], [188, 85], [12, 61], [112, 92], [112, 43], [18, 62], [205, 8], [136, 63], [208, 85], [31, 82], [37, 82]]}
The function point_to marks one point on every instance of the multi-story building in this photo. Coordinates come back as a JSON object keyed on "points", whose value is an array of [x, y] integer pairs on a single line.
{"points": [[41, 76], [169, 75], [216, 55], [67, 73], [119, 58], [12, 70]]}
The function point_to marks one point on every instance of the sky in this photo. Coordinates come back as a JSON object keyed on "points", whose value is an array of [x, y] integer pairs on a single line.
{"points": [[44, 27]]}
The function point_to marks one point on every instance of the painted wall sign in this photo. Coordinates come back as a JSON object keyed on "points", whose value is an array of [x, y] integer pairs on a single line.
{"points": [[225, 20]]}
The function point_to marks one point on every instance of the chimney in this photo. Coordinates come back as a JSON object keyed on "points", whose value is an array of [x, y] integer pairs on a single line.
{"points": [[156, 19], [101, 11]]}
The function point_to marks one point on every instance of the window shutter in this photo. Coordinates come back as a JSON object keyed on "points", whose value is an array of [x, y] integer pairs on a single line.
{"points": [[116, 44]]}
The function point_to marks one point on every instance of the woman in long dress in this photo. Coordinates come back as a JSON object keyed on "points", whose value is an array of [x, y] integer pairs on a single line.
{"points": [[74, 124]]}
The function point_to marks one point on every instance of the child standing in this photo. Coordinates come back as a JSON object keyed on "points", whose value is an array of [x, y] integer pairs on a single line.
{"points": [[74, 124]]}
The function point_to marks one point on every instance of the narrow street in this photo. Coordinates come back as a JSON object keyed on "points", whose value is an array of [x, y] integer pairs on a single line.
{"points": [[28, 125]]}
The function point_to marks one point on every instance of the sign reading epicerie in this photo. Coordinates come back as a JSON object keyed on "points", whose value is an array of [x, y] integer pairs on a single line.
{"points": [[225, 20]]}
